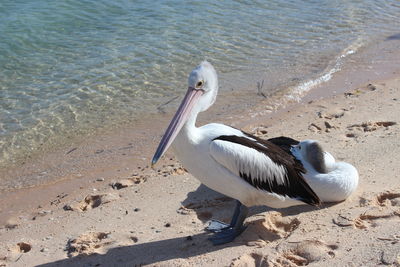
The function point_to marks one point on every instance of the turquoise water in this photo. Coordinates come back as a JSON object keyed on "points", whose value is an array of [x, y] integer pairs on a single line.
{"points": [[69, 67]]}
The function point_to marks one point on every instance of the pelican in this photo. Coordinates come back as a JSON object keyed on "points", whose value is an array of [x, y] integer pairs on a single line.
{"points": [[332, 181], [244, 167]]}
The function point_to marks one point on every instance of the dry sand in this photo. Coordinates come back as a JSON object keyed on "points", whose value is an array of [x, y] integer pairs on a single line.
{"points": [[157, 217]]}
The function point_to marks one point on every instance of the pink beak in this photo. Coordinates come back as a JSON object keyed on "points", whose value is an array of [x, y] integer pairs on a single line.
{"points": [[180, 117]]}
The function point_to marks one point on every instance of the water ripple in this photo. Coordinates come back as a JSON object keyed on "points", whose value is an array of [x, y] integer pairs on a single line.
{"points": [[69, 66]]}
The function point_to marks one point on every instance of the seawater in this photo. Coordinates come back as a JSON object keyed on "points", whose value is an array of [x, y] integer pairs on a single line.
{"points": [[70, 67]]}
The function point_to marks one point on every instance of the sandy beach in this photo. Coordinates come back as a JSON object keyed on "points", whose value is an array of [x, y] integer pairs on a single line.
{"points": [[88, 88], [120, 212]]}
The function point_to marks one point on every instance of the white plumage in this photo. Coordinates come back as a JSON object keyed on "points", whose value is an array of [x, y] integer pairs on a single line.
{"points": [[234, 163], [241, 159], [218, 165], [339, 180]]}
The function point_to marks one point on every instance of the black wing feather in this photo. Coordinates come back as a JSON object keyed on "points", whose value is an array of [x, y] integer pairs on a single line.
{"points": [[294, 185], [285, 143]]}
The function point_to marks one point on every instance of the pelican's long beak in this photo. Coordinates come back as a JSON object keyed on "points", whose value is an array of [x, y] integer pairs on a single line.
{"points": [[181, 116]]}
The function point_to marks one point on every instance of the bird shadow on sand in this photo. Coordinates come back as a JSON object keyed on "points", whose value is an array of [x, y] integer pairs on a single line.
{"points": [[209, 204], [145, 253], [160, 250], [206, 204]]}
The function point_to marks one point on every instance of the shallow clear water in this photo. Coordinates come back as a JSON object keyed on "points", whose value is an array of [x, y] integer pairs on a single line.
{"points": [[69, 67]]}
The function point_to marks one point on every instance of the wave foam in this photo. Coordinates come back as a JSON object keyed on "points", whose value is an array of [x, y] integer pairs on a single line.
{"points": [[298, 92]]}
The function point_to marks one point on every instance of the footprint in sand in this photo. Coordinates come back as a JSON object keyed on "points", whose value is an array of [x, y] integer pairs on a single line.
{"points": [[251, 260], [328, 123], [387, 199], [359, 91], [383, 206], [370, 217], [272, 227], [171, 169], [12, 223], [356, 129], [332, 114], [128, 182], [306, 252], [282, 226], [327, 127], [22, 247], [260, 131], [292, 255], [87, 244], [91, 202], [16, 252], [371, 126]]}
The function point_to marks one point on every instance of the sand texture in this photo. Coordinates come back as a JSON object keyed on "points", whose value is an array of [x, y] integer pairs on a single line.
{"points": [[157, 217]]}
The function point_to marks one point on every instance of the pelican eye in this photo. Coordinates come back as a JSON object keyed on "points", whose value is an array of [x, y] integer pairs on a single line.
{"points": [[199, 84]]}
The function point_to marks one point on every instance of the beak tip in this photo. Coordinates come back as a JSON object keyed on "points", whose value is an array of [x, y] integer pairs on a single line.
{"points": [[153, 162]]}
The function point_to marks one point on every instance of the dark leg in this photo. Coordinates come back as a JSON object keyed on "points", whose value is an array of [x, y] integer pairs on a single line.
{"points": [[216, 226], [227, 233], [237, 213]]}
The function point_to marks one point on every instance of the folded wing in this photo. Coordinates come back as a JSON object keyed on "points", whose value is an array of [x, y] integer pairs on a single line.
{"points": [[263, 165]]}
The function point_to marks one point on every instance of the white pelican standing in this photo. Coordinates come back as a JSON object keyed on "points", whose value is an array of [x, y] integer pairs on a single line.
{"points": [[251, 170]]}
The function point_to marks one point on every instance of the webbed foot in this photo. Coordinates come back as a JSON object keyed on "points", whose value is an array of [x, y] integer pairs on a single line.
{"points": [[217, 226], [227, 235]]}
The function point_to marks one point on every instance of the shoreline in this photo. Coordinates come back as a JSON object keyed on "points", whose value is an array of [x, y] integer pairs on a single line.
{"points": [[126, 150], [127, 226], [40, 168]]}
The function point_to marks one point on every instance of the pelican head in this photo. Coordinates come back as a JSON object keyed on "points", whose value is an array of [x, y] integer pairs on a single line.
{"points": [[312, 152], [200, 95]]}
